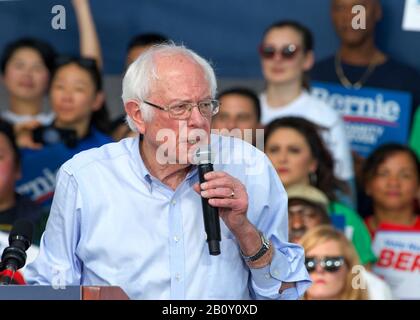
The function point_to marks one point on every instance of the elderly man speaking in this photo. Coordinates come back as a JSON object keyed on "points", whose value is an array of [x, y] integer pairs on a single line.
{"points": [[130, 214]]}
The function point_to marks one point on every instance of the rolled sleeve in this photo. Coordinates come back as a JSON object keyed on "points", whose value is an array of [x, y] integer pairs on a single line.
{"points": [[267, 281], [269, 214]]}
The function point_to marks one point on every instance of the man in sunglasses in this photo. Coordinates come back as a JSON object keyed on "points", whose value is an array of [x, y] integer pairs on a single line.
{"points": [[130, 213]]}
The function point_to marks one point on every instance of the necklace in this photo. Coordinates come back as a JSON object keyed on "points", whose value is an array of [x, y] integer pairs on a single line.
{"points": [[345, 81]]}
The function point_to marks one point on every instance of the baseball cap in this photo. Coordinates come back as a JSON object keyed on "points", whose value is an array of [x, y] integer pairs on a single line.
{"points": [[308, 194]]}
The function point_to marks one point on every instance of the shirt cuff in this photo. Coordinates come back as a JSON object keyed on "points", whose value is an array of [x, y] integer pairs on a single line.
{"points": [[268, 280]]}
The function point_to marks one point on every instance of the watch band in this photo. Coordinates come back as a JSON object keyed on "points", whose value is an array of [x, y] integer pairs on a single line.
{"points": [[264, 248]]}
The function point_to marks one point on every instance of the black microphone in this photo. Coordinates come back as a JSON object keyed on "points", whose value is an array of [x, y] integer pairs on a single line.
{"points": [[210, 213], [14, 256]]}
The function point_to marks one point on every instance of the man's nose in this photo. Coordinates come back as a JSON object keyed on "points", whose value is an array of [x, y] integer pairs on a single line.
{"points": [[196, 119], [230, 124], [296, 221]]}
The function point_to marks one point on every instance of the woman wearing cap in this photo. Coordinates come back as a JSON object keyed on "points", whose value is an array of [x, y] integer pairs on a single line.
{"points": [[298, 154], [308, 208]]}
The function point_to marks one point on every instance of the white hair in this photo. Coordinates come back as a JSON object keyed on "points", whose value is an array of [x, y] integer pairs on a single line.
{"points": [[141, 75]]}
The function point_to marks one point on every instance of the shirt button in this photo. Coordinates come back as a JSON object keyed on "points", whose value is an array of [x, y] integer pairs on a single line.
{"points": [[267, 276], [173, 202], [178, 277], [176, 239], [276, 272]]}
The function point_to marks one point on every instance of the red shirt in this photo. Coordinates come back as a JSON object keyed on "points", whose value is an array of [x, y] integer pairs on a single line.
{"points": [[391, 226]]}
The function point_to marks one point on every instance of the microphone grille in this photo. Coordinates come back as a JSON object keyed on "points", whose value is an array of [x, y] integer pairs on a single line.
{"points": [[22, 228]]}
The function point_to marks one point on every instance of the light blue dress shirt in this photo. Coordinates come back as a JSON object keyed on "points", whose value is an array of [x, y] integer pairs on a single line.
{"points": [[113, 223]]}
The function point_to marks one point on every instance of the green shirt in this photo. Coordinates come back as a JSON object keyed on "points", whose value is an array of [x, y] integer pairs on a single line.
{"points": [[415, 133], [360, 235]]}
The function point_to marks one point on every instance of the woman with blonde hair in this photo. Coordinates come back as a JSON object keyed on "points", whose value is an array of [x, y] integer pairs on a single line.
{"points": [[330, 259]]}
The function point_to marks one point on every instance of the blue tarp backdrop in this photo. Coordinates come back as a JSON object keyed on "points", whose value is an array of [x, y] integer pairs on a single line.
{"points": [[226, 32]]}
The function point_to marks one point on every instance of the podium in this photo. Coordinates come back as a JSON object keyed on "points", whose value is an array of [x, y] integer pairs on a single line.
{"points": [[35, 292]]}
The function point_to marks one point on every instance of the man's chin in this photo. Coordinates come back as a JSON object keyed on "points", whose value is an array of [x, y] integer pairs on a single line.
{"points": [[353, 38]]}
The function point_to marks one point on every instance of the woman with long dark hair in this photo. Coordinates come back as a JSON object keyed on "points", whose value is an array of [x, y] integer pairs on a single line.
{"points": [[300, 157]]}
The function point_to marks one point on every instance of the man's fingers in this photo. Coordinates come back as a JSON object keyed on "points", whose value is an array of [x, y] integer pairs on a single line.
{"points": [[223, 182], [221, 203], [215, 174], [217, 193]]}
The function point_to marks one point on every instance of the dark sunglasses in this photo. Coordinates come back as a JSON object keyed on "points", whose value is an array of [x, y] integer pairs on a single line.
{"points": [[287, 52], [329, 264]]}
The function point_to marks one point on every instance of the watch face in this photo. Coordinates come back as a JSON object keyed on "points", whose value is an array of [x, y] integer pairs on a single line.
{"points": [[264, 248], [265, 241]]}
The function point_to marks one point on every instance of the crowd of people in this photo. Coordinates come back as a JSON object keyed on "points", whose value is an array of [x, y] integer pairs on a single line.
{"points": [[346, 211]]}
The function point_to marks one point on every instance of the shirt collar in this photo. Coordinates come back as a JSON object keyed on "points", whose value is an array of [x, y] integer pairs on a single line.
{"points": [[136, 156]]}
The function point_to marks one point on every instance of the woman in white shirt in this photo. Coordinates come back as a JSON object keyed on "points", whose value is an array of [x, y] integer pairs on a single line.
{"points": [[286, 56]]}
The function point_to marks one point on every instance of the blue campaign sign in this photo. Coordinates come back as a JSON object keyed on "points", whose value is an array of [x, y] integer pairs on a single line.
{"points": [[39, 169], [372, 116]]}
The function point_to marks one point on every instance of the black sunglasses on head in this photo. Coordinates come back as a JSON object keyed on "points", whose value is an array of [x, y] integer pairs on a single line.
{"points": [[287, 52], [329, 264]]}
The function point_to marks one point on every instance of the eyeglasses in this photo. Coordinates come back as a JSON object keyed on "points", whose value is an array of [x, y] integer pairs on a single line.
{"points": [[182, 111], [329, 264], [287, 52]]}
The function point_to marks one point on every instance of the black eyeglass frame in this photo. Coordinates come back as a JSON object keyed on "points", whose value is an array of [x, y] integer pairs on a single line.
{"points": [[215, 108]]}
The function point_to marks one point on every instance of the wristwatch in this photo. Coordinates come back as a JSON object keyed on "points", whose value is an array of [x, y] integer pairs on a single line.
{"points": [[264, 248]]}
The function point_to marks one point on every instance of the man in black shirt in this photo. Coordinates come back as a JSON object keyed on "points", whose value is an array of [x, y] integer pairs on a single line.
{"points": [[358, 62]]}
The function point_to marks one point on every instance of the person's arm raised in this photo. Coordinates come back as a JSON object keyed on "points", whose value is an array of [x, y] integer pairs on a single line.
{"points": [[89, 41]]}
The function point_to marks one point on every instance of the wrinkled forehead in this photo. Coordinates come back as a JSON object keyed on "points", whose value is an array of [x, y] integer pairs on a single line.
{"points": [[178, 72]]}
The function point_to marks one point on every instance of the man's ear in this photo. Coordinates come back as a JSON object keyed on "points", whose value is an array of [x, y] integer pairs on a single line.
{"points": [[132, 109], [99, 101]]}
